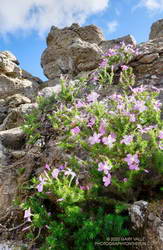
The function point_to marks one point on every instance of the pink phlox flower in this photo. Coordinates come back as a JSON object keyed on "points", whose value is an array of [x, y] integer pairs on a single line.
{"points": [[110, 52], [122, 43], [80, 104], [134, 167], [145, 129], [107, 180], [112, 112], [161, 135], [103, 63], [161, 145], [61, 167], [75, 130], [55, 173], [115, 97], [125, 179], [102, 128], [140, 106], [92, 97], [103, 166], [94, 76], [86, 187], [132, 118], [155, 89], [126, 113], [27, 214], [127, 139], [41, 184], [157, 105], [124, 67], [94, 139], [117, 47], [69, 172], [91, 122], [109, 140], [138, 89], [47, 167], [121, 106], [137, 52], [132, 159]]}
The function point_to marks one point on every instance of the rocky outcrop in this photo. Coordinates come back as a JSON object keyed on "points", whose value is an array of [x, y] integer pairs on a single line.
{"points": [[71, 50], [105, 45], [76, 49], [18, 90], [17, 87], [148, 218], [148, 66], [156, 30]]}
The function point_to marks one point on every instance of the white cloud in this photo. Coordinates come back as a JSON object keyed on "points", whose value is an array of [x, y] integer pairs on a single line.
{"points": [[40, 15], [151, 5], [112, 26]]}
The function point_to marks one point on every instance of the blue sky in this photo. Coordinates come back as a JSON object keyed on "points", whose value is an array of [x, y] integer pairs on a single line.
{"points": [[24, 24]]}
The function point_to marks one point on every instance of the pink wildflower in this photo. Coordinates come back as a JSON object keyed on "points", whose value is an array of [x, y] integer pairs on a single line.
{"points": [[138, 89], [157, 105], [102, 128], [55, 173], [86, 187], [109, 140], [133, 167], [91, 122], [161, 135], [92, 97], [70, 172], [140, 106], [132, 118], [124, 67], [41, 184], [94, 139], [27, 214], [110, 52], [75, 130], [131, 159], [47, 167], [80, 104], [103, 166], [103, 63], [107, 180], [127, 139]]}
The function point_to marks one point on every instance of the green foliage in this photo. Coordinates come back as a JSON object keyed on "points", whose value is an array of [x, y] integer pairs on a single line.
{"points": [[111, 145]]}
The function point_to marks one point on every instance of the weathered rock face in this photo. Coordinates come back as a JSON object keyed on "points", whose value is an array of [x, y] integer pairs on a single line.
{"points": [[156, 30], [148, 66], [147, 217], [105, 45], [71, 50], [17, 88], [76, 49], [13, 79]]}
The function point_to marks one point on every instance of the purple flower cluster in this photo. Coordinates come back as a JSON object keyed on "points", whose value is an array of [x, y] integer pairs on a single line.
{"points": [[132, 161], [127, 139], [103, 166]]}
